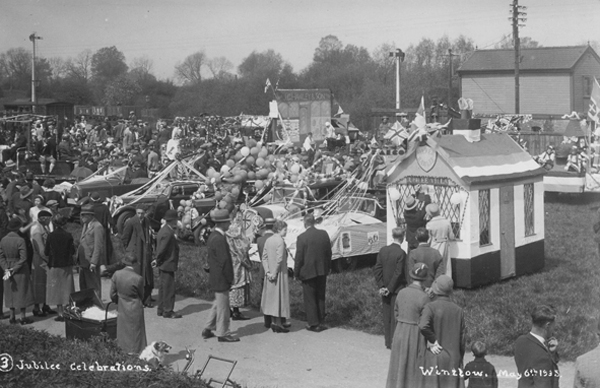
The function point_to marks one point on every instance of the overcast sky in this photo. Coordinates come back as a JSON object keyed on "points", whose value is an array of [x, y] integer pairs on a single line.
{"points": [[167, 31]]}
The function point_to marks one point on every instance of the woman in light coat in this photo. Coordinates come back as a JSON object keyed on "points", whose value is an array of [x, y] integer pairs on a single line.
{"points": [[440, 234], [276, 293]]}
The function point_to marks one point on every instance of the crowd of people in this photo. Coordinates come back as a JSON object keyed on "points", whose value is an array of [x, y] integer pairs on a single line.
{"points": [[424, 328]]}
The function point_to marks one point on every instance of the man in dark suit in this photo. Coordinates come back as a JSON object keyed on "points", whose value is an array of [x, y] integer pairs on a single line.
{"points": [[167, 259], [136, 238], [423, 253], [220, 278], [389, 271], [535, 353], [102, 214], [312, 264], [414, 215]]}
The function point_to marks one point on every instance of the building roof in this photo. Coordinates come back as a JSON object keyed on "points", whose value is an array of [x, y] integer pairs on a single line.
{"points": [[542, 58], [496, 157]]}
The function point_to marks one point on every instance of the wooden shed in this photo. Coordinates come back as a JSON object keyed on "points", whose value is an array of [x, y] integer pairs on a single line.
{"points": [[553, 80], [45, 107], [492, 192]]}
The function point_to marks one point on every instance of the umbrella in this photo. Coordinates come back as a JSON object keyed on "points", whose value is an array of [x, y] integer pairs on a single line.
{"points": [[80, 173]]}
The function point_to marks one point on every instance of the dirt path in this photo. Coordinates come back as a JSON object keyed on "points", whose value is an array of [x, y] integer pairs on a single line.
{"points": [[335, 358]]}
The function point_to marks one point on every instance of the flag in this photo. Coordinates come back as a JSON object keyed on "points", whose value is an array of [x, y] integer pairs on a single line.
{"points": [[420, 121], [277, 84], [267, 84], [594, 111], [340, 111]]}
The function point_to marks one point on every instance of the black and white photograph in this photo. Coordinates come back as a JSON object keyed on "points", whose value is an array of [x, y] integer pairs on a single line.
{"points": [[300, 194]]}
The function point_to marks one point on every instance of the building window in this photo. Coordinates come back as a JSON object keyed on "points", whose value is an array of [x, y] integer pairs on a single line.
{"points": [[484, 218], [588, 84], [529, 214]]}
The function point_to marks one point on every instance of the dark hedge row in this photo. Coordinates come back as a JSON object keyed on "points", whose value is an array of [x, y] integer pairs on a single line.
{"points": [[43, 360]]}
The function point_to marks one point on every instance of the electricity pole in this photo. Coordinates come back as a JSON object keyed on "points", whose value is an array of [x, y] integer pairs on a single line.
{"points": [[399, 55], [33, 37], [517, 17]]}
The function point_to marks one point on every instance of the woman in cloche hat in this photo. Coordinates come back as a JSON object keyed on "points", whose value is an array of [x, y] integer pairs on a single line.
{"points": [[18, 293], [408, 346]]}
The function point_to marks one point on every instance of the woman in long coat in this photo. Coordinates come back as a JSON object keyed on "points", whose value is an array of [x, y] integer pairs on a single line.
{"points": [[408, 346], [127, 291], [440, 234], [239, 246], [60, 251], [17, 284], [276, 292], [442, 324]]}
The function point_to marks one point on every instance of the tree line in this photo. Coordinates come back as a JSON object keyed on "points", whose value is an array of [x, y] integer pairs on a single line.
{"points": [[360, 80]]}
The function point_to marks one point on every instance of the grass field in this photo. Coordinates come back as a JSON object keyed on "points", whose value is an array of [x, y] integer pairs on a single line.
{"points": [[496, 314]]}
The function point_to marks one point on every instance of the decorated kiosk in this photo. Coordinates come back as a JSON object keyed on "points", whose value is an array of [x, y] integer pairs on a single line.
{"points": [[490, 189]]}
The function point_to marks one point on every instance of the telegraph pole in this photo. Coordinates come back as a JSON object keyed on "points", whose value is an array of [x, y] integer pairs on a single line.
{"points": [[399, 55], [33, 37], [516, 18]]}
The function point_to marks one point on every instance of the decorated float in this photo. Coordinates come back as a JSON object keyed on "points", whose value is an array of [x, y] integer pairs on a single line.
{"points": [[488, 187]]}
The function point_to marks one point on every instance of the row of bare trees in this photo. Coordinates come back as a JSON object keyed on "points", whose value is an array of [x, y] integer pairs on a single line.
{"points": [[360, 80]]}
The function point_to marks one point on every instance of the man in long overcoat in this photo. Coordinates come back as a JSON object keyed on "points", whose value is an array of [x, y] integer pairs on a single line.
{"points": [[102, 215], [91, 251], [423, 253], [389, 271], [220, 278], [167, 261], [312, 264], [136, 238]]}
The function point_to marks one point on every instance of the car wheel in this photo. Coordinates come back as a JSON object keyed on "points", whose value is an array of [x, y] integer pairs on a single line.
{"points": [[123, 217]]}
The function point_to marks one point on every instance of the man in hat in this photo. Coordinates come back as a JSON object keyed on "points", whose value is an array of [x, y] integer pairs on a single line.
{"points": [[535, 353], [102, 215], [21, 201], [442, 323], [312, 264], [91, 251], [136, 238], [423, 253], [129, 137], [267, 231], [152, 159], [220, 278], [391, 278], [118, 131], [414, 215], [167, 261]]}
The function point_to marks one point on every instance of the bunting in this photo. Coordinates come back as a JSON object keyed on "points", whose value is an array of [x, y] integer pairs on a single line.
{"points": [[594, 111], [267, 85]]}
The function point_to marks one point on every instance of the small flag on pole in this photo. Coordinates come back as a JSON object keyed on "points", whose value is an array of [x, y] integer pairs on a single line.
{"points": [[340, 111], [267, 84], [594, 111], [421, 110], [277, 84]]}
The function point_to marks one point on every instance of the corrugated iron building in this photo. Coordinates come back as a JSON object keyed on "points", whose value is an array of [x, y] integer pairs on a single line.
{"points": [[553, 80]]}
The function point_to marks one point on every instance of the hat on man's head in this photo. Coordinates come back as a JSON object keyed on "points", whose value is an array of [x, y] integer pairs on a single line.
{"points": [[9, 164], [44, 213], [25, 191], [87, 209], [411, 203], [129, 259], [14, 224], [220, 215], [170, 215], [96, 197], [52, 202], [419, 271], [269, 221], [443, 285]]}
